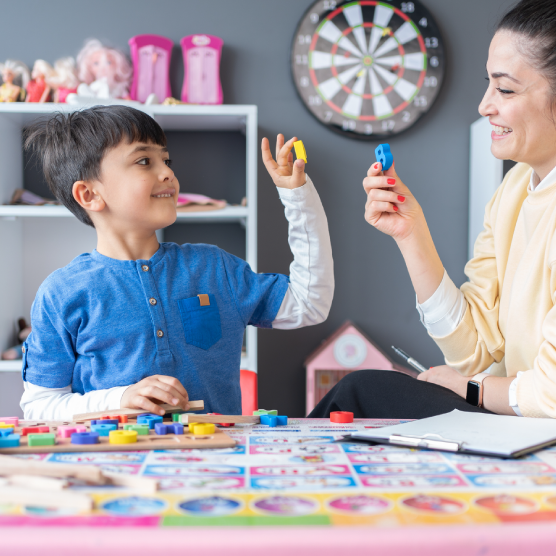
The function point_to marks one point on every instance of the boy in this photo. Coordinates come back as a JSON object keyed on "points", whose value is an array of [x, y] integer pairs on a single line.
{"points": [[135, 322]]}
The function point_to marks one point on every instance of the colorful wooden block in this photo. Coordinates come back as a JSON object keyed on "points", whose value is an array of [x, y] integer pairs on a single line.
{"points": [[300, 151], [10, 421], [6, 426], [265, 412], [341, 417], [184, 418], [149, 419], [104, 430], [84, 438], [34, 430], [282, 420], [142, 429], [44, 439], [105, 422], [121, 418], [65, 431], [222, 424], [6, 432], [203, 428], [176, 417], [269, 420], [384, 156], [168, 428], [10, 441], [122, 437]]}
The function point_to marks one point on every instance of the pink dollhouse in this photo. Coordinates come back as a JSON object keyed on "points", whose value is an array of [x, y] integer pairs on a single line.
{"points": [[151, 64], [347, 350]]}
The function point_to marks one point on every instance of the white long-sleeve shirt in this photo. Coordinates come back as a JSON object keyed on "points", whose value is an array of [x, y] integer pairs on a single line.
{"points": [[307, 301], [444, 310]]}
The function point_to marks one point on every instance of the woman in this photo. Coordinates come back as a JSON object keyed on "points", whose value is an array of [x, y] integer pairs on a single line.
{"points": [[505, 315]]}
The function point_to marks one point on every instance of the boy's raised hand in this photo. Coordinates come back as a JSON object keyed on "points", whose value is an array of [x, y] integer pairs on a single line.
{"points": [[283, 171], [157, 388]]}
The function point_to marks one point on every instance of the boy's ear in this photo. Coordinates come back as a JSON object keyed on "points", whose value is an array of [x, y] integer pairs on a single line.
{"points": [[87, 196]]}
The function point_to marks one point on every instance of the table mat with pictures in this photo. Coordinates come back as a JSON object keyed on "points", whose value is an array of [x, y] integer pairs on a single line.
{"points": [[298, 475]]}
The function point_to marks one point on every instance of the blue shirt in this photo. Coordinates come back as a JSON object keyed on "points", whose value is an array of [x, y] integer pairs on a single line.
{"points": [[100, 322]]}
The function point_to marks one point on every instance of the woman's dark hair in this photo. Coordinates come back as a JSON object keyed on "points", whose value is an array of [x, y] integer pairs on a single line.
{"points": [[71, 146], [535, 21]]}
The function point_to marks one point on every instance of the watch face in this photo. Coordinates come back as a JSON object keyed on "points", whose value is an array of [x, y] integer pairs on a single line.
{"points": [[473, 393], [369, 68]]}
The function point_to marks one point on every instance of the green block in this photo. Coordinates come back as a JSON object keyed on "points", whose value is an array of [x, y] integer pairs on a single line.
{"points": [[176, 417], [44, 439], [245, 520], [141, 429], [265, 412]]}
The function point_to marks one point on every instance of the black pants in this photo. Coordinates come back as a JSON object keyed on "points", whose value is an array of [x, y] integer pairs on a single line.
{"points": [[390, 395]]}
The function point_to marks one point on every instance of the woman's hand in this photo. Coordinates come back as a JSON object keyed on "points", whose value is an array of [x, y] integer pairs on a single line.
{"points": [[283, 171], [390, 208], [447, 377], [148, 393]]}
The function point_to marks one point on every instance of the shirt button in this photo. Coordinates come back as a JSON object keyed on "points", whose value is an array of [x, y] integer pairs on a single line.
{"points": [[159, 333], [152, 301], [145, 268]]}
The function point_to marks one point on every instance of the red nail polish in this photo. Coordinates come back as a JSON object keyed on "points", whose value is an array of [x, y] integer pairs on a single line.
{"points": [[391, 181], [395, 208], [376, 166], [401, 198]]}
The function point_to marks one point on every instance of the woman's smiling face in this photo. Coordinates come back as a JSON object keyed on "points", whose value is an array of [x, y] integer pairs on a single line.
{"points": [[519, 104]]}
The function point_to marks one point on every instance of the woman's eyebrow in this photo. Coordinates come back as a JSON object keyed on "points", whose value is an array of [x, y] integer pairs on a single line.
{"points": [[499, 74]]}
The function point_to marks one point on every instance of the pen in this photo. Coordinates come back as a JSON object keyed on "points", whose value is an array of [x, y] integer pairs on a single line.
{"points": [[415, 364]]}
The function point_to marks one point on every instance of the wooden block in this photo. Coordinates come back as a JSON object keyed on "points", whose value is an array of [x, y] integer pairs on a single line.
{"points": [[43, 498], [40, 483], [143, 485], [16, 466], [251, 419], [194, 405]]}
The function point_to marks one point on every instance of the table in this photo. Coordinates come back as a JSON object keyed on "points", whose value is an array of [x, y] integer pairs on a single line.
{"points": [[295, 490]]}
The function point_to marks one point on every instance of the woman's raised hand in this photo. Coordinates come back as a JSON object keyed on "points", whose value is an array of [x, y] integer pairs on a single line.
{"points": [[390, 207]]}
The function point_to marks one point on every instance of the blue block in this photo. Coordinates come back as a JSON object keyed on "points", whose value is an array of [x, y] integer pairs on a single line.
{"points": [[84, 438], [384, 156], [282, 420], [149, 419], [269, 420], [104, 430], [10, 441], [175, 428], [105, 422], [161, 428], [6, 432]]}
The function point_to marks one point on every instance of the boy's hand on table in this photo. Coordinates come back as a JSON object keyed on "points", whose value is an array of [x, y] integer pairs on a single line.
{"points": [[158, 388], [283, 171], [443, 375]]}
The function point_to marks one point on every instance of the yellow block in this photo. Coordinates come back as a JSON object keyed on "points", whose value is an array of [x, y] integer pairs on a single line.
{"points": [[190, 426], [122, 437], [202, 428], [4, 426], [300, 150]]}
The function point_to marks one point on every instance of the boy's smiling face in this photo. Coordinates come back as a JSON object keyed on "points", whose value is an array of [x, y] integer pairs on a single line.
{"points": [[137, 190]]}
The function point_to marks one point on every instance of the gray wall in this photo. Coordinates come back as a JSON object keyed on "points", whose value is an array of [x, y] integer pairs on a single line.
{"points": [[372, 285]]}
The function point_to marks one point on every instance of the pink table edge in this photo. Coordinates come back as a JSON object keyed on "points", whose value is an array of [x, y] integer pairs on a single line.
{"points": [[494, 540]]}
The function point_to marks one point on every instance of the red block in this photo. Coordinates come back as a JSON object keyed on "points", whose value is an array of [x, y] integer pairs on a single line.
{"points": [[341, 417], [32, 430]]}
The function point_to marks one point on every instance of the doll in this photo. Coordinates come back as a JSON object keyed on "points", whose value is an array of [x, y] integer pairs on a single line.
{"points": [[15, 76], [64, 79], [38, 89], [16, 352], [105, 72]]}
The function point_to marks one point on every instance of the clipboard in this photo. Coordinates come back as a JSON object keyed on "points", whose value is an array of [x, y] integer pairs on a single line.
{"points": [[481, 434]]}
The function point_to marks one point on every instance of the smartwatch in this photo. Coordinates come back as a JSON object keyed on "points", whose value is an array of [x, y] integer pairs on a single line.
{"points": [[475, 390]]}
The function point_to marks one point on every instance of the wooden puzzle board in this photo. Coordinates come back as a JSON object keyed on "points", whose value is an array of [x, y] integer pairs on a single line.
{"points": [[151, 442]]}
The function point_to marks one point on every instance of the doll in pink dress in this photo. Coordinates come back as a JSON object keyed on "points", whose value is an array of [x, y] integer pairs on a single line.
{"points": [[104, 72], [37, 89], [64, 79]]}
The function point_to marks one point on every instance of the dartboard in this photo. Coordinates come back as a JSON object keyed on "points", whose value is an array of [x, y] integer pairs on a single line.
{"points": [[367, 69]]}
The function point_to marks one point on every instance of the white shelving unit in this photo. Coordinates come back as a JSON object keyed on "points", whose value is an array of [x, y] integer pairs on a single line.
{"points": [[34, 241]]}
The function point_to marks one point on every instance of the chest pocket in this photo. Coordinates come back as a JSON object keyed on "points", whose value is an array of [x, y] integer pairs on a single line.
{"points": [[201, 320]]}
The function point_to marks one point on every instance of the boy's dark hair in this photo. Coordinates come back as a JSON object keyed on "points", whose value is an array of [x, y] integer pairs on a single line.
{"points": [[71, 146]]}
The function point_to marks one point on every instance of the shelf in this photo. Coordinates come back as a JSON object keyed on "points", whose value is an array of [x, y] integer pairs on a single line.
{"points": [[223, 117], [228, 214], [10, 366]]}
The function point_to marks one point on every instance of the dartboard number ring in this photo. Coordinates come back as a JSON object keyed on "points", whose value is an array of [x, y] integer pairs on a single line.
{"points": [[367, 69]]}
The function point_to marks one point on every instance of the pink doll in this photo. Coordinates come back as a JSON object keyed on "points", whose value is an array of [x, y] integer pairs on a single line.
{"points": [[105, 72], [12, 71], [64, 79], [37, 89]]}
